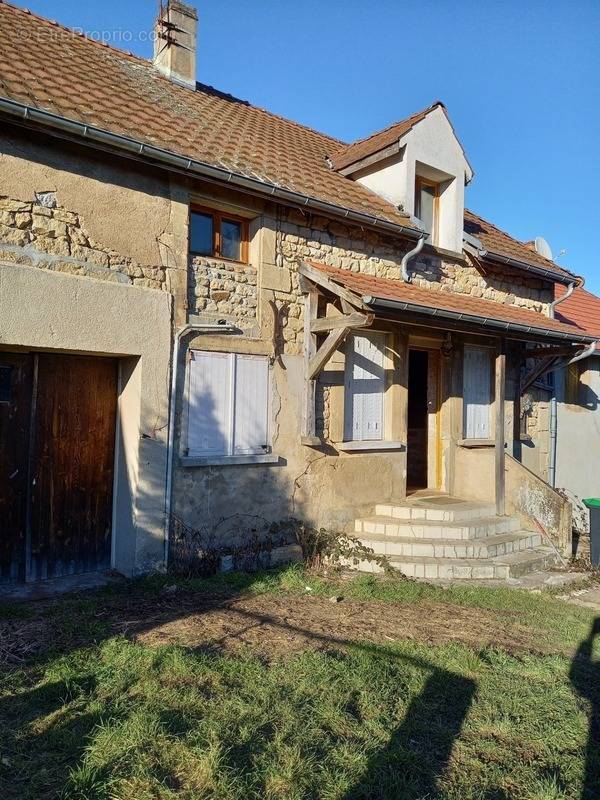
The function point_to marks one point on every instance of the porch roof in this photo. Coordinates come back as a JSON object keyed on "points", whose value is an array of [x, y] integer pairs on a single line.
{"points": [[381, 294]]}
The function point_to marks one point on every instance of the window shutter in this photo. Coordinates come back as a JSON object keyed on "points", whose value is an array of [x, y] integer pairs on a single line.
{"points": [[365, 386], [251, 404], [477, 392], [209, 410]]}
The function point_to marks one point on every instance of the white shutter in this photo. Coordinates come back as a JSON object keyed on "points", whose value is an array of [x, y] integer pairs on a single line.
{"points": [[209, 409], [250, 419], [477, 392], [365, 387]]}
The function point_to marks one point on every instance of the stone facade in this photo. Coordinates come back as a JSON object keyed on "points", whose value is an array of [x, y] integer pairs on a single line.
{"points": [[44, 235], [373, 254], [222, 287]]}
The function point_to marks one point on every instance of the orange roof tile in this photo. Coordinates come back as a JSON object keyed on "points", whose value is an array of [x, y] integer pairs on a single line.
{"points": [[581, 309], [48, 67], [361, 148], [395, 290]]}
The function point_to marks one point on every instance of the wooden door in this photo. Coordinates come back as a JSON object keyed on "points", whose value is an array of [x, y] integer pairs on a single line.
{"points": [[16, 370], [72, 461]]}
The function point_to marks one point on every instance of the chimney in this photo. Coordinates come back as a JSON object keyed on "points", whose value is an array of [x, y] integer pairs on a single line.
{"points": [[175, 42]]}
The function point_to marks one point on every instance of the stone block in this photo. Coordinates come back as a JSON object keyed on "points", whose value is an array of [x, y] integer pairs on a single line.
{"points": [[16, 236]]}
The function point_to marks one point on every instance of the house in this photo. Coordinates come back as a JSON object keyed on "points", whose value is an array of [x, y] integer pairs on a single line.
{"points": [[213, 319], [576, 412]]}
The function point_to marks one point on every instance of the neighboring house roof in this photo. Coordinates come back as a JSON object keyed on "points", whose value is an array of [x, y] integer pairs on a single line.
{"points": [[465, 307], [581, 309], [50, 68], [361, 148]]}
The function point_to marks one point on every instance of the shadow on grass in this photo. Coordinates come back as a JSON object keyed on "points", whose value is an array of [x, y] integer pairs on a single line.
{"points": [[585, 677], [46, 729]]}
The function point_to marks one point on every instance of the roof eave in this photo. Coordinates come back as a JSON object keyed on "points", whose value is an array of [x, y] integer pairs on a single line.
{"points": [[135, 148], [517, 329], [549, 274]]}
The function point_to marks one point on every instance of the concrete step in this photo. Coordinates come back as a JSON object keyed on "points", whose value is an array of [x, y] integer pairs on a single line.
{"points": [[440, 509], [436, 529], [500, 544], [513, 565]]}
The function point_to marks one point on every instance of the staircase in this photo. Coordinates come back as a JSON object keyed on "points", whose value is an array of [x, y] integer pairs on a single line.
{"points": [[434, 535]]}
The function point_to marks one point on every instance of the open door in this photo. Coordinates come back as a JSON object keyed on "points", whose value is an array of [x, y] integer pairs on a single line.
{"points": [[423, 443]]}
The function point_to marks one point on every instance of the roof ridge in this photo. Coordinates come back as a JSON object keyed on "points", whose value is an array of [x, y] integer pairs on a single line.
{"points": [[28, 12], [148, 63], [392, 125]]}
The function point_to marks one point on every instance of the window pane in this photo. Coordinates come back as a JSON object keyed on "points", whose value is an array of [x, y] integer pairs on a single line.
{"points": [[231, 239], [426, 206], [201, 234]]}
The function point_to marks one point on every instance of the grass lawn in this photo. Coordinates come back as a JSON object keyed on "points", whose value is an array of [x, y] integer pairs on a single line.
{"points": [[257, 687]]}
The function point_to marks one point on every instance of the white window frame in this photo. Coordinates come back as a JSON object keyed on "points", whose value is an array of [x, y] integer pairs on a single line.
{"points": [[487, 434], [262, 454]]}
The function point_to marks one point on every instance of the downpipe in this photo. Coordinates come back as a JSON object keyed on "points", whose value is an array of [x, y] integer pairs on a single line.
{"points": [[406, 276]]}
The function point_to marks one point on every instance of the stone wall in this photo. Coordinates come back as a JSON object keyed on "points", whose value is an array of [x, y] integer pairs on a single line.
{"points": [[44, 235], [225, 288]]}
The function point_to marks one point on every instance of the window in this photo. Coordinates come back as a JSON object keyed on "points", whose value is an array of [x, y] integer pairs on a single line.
{"points": [[477, 393], [365, 387], [427, 206], [228, 404], [214, 233]]}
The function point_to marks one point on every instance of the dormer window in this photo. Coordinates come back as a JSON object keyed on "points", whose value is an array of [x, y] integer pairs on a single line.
{"points": [[427, 198]]}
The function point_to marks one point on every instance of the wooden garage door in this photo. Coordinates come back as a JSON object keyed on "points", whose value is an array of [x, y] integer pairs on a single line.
{"points": [[69, 463]]}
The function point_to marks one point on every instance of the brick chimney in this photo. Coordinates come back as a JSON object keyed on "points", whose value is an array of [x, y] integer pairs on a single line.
{"points": [[175, 42]]}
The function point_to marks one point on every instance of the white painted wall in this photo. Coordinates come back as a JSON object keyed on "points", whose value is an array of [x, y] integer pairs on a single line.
{"points": [[432, 150], [578, 436]]}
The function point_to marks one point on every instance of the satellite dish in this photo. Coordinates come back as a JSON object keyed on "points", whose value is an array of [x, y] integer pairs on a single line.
{"points": [[542, 247]]}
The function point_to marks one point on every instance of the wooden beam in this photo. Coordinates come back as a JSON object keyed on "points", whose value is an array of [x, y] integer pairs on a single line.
{"points": [[311, 302], [536, 373], [324, 353], [318, 277], [354, 320], [499, 398]]}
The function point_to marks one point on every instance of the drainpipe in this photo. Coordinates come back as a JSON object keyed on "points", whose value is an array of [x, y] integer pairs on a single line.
{"points": [[562, 299], [406, 276], [200, 327]]}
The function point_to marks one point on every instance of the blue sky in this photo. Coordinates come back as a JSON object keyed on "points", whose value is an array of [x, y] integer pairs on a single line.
{"points": [[521, 81]]}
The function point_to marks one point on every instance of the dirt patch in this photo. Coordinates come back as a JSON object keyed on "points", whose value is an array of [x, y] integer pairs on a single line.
{"points": [[270, 626], [275, 626]]}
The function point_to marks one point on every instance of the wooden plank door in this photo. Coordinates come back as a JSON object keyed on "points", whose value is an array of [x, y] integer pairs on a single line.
{"points": [[73, 439], [16, 370]]}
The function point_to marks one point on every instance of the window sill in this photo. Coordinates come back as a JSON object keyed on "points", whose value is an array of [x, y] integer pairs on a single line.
{"points": [[224, 461], [234, 261], [369, 445], [469, 443]]}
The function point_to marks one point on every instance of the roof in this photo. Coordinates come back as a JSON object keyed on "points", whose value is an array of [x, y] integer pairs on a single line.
{"points": [[501, 243], [361, 148], [464, 305], [80, 79], [582, 308]]}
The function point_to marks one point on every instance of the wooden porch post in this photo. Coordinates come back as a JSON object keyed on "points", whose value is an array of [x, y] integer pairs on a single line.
{"points": [[308, 432], [499, 398]]}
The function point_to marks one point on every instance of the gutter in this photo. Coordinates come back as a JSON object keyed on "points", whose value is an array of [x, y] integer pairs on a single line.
{"points": [[514, 327], [134, 148], [544, 273]]}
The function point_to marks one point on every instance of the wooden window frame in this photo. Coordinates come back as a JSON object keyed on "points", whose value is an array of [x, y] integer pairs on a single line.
{"points": [[217, 217], [419, 183]]}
